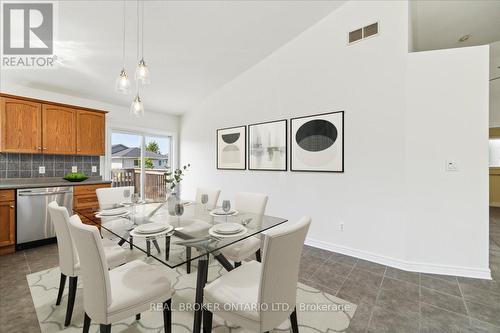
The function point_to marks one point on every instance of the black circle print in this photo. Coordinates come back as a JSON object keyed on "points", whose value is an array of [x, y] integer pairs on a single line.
{"points": [[230, 138], [316, 135]]}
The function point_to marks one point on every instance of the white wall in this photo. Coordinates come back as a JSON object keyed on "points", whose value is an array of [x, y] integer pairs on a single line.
{"points": [[317, 72], [447, 119]]}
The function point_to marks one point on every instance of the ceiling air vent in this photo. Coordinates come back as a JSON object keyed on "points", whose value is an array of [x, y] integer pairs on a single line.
{"points": [[362, 33]]}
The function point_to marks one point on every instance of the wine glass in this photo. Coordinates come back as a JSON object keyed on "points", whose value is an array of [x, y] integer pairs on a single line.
{"points": [[135, 200], [204, 200], [179, 210], [226, 207], [126, 195]]}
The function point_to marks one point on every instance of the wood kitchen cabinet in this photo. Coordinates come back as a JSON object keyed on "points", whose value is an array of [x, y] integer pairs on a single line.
{"points": [[20, 126], [90, 133], [85, 196], [34, 126], [58, 129], [7, 221]]}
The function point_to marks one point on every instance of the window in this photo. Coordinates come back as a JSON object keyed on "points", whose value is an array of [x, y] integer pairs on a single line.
{"points": [[140, 160]]}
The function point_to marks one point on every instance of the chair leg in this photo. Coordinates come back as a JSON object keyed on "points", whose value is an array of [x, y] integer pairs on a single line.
{"points": [[131, 242], [138, 316], [155, 243], [148, 247], [167, 316], [188, 258], [105, 328], [237, 264], [258, 256], [73, 281], [86, 323], [167, 248], [293, 321], [207, 321], [62, 283]]}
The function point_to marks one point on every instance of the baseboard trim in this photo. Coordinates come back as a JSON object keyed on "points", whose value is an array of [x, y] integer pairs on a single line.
{"points": [[401, 264]]}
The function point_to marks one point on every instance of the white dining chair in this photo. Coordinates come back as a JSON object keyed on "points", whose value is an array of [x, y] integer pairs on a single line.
{"points": [[113, 295], [254, 203], [259, 287], [110, 197], [213, 196], [69, 263]]}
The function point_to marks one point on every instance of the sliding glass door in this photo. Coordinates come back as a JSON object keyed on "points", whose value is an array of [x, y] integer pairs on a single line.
{"points": [[140, 160]]}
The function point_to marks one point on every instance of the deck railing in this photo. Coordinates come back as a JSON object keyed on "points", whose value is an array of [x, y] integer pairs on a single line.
{"points": [[154, 181]]}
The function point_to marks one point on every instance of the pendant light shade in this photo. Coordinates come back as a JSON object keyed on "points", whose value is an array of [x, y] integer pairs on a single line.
{"points": [[123, 83], [137, 108], [142, 72]]}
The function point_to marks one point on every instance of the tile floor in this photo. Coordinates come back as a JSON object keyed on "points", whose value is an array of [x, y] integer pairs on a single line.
{"points": [[389, 300]]}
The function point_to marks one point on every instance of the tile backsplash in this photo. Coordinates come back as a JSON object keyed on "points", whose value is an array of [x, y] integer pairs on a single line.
{"points": [[26, 165]]}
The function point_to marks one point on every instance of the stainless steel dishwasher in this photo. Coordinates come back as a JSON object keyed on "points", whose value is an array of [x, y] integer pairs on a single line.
{"points": [[34, 226]]}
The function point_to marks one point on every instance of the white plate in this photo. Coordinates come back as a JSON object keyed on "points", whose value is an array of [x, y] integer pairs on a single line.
{"points": [[151, 228], [113, 212], [227, 228], [215, 234], [220, 212], [135, 233], [99, 215]]}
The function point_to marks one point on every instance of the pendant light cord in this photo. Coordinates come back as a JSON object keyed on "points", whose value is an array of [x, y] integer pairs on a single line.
{"points": [[142, 29], [123, 41], [137, 51]]}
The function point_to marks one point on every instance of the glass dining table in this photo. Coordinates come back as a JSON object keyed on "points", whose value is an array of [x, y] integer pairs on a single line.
{"points": [[155, 230]]}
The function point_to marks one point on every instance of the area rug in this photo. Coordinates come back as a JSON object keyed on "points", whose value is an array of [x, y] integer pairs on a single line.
{"points": [[317, 311]]}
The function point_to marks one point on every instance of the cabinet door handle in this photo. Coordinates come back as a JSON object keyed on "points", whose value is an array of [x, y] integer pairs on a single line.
{"points": [[39, 148], [44, 148], [12, 207]]}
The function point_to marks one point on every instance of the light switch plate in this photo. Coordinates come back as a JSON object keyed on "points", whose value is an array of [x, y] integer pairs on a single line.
{"points": [[451, 165], [41, 170], [74, 168], [94, 168]]}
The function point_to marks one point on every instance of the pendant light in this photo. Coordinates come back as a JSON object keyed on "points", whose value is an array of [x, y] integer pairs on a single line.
{"points": [[122, 84], [137, 108], [142, 71]]}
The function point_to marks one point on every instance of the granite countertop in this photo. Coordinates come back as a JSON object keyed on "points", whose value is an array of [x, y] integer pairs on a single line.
{"points": [[16, 183]]}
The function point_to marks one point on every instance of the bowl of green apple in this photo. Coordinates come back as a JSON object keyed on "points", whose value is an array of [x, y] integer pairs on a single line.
{"points": [[75, 177]]}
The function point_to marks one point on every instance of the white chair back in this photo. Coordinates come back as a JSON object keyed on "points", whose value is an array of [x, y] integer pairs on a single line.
{"points": [[68, 256], [213, 196], [111, 196], [254, 203], [94, 269], [280, 270]]}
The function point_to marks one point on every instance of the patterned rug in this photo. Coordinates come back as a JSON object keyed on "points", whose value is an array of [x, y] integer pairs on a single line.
{"points": [[317, 311]]}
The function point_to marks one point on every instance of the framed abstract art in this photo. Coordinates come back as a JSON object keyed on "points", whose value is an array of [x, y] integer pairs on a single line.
{"points": [[231, 148], [267, 146], [317, 143]]}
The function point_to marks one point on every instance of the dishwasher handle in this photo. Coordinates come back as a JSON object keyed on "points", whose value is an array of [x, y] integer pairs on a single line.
{"points": [[35, 194]]}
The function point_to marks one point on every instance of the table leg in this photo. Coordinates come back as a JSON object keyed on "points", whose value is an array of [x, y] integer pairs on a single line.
{"points": [[223, 261], [167, 248], [148, 247], [155, 242], [188, 258], [201, 281], [123, 238]]}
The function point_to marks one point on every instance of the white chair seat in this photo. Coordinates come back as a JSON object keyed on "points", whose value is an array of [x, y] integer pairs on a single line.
{"points": [[234, 288], [241, 250], [134, 287], [194, 227], [115, 254]]}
